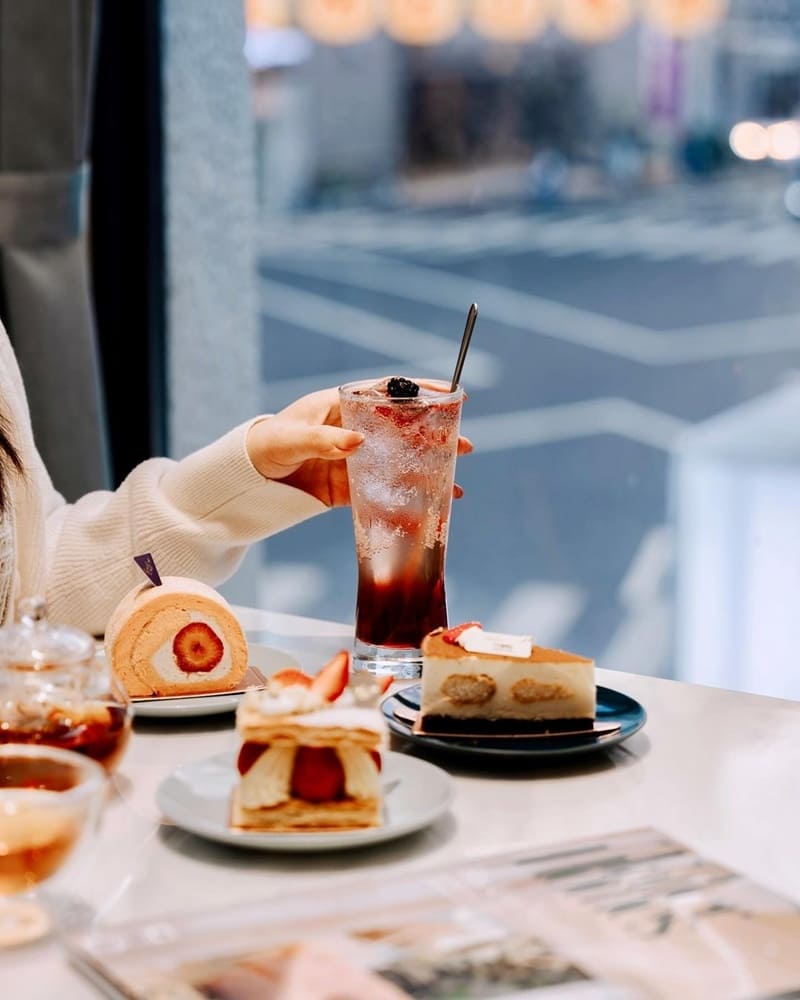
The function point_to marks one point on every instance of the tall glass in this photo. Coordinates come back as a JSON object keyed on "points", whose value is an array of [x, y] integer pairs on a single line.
{"points": [[401, 489]]}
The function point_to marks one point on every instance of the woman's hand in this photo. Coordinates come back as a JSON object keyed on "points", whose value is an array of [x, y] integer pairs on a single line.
{"points": [[306, 446]]}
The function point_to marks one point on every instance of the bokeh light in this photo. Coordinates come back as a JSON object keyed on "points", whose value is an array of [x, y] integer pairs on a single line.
{"points": [[784, 140], [683, 18], [593, 20], [749, 141], [510, 20]]}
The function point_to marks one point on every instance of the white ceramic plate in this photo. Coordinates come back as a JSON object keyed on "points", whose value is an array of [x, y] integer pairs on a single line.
{"points": [[267, 659], [196, 797]]}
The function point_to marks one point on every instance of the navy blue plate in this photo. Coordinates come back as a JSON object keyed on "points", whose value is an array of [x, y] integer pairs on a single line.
{"points": [[612, 707]]}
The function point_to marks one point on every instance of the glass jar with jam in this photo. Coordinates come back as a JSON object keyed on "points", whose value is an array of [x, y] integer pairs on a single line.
{"points": [[56, 689]]}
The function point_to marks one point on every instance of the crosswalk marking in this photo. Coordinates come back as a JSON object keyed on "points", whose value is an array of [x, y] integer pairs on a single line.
{"points": [[585, 418], [641, 642], [369, 330], [524, 311], [649, 232]]}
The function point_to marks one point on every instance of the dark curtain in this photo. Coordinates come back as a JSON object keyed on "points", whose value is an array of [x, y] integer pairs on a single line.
{"points": [[127, 228], [47, 54]]}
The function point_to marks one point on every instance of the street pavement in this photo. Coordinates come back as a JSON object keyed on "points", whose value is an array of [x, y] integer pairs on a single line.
{"points": [[605, 332]]}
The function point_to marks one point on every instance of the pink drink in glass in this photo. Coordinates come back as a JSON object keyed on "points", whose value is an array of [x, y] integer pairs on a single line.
{"points": [[401, 488]]}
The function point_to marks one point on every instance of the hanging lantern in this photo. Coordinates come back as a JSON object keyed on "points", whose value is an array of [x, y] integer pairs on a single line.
{"points": [[422, 22], [510, 20], [592, 20], [338, 22], [683, 18], [265, 14]]}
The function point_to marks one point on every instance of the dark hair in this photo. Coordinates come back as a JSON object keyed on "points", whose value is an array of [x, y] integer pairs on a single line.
{"points": [[9, 459]]}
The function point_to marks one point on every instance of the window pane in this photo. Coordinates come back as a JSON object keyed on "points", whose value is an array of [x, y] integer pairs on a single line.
{"points": [[618, 191]]}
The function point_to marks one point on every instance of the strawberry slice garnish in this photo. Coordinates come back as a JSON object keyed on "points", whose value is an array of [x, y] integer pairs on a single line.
{"points": [[451, 634], [197, 648], [332, 679], [384, 683], [318, 775], [375, 754], [290, 677]]}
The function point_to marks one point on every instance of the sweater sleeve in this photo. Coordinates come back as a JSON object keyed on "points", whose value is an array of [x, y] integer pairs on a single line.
{"points": [[197, 516]]}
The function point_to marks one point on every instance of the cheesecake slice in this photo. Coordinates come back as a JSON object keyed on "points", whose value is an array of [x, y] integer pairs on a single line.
{"points": [[492, 682]]}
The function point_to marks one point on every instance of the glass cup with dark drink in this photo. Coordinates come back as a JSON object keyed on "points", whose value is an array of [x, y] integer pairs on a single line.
{"points": [[50, 801], [401, 489], [55, 689]]}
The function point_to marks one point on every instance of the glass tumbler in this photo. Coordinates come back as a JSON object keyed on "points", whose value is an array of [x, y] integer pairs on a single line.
{"points": [[401, 489]]}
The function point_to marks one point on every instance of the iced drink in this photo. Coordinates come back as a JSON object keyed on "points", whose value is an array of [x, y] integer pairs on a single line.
{"points": [[401, 487]]}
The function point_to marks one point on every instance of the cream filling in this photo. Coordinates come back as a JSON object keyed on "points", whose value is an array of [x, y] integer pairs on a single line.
{"points": [[567, 689], [361, 777], [269, 781], [163, 659]]}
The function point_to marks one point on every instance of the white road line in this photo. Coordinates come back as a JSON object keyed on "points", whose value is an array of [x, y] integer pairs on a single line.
{"points": [[547, 611], [365, 329], [545, 317], [641, 644], [504, 305], [652, 234], [644, 580], [737, 338], [586, 418]]}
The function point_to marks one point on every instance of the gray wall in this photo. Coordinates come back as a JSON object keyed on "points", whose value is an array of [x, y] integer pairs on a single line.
{"points": [[212, 322]]}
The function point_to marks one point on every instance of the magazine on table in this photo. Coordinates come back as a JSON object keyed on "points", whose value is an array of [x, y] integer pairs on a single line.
{"points": [[622, 917]]}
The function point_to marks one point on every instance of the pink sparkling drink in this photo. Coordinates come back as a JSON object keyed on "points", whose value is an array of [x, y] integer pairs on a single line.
{"points": [[401, 488]]}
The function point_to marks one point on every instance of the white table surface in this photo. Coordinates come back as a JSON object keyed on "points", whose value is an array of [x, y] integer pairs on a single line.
{"points": [[716, 769]]}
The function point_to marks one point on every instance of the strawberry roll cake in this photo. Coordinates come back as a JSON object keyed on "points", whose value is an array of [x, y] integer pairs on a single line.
{"points": [[178, 638]]}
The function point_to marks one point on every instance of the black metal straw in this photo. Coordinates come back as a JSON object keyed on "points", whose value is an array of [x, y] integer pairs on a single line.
{"points": [[472, 315]]}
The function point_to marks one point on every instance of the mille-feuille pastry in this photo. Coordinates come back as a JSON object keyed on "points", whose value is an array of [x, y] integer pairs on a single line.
{"points": [[180, 637], [501, 682], [309, 755]]}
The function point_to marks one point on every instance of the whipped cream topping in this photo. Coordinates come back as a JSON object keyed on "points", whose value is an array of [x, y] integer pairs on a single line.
{"points": [[476, 640], [368, 719], [290, 700]]}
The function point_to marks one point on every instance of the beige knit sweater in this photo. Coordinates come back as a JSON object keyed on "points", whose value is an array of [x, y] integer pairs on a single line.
{"points": [[197, 516]]}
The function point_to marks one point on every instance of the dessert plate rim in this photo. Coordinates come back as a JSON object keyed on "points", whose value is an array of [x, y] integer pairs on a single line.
{"points": [[266, 659], [612, 705], [195, 797]]}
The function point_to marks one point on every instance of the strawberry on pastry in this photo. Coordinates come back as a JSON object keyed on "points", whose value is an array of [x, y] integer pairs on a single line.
{"points": [[331, 681], [320, 762], [290, 677], [318, 775]]}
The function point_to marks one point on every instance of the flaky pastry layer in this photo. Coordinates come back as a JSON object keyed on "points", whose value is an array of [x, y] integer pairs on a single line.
{"points": [[297, 814]]}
